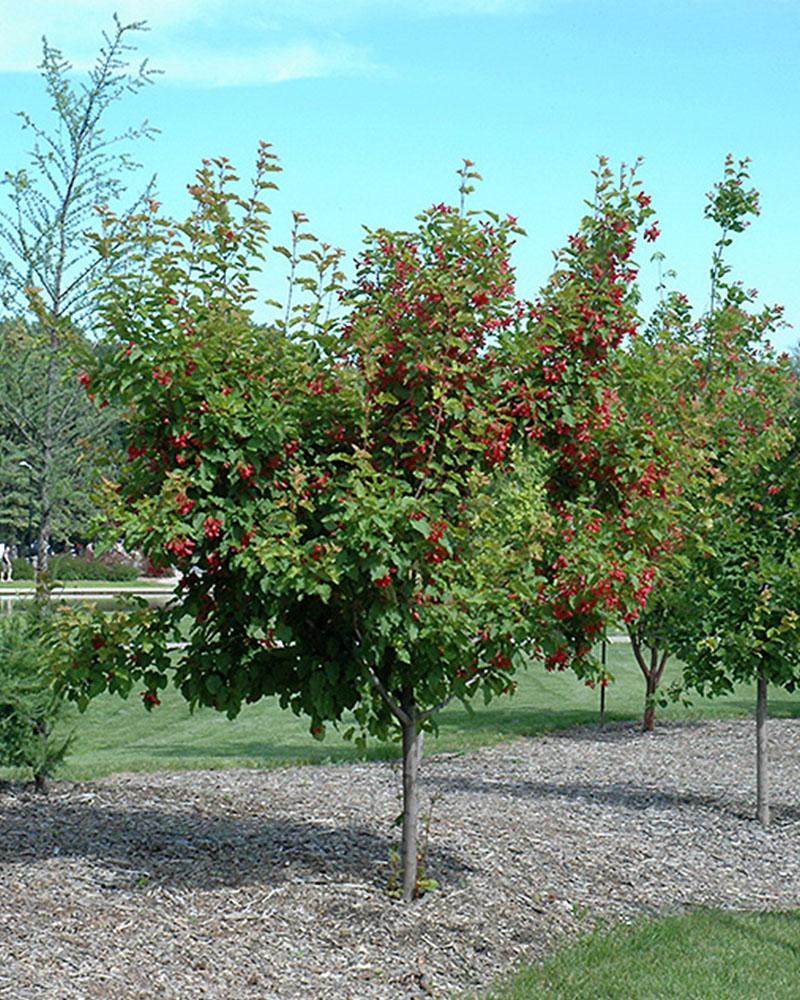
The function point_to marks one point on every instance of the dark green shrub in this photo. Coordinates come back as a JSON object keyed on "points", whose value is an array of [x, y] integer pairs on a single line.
{"points": [[122, 572], [22, 570], [29, 708], [64, 569], [69, 568]]}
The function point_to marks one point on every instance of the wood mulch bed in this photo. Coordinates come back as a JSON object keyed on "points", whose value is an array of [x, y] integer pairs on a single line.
{"points": [[271, 885]]}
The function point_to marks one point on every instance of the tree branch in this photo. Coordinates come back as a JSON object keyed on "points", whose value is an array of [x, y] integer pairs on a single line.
{"points": [[400, 714]]}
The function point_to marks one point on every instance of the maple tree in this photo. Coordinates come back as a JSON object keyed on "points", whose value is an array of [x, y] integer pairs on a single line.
{"points": [[726, 602], [382, 511]]}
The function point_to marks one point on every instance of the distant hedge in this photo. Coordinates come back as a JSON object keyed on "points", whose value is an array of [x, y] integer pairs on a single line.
{"points": [[67, 568], [22, 570]]}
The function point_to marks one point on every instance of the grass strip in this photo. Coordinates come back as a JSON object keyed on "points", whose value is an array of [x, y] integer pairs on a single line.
{"points": [[115, 735], [709, 955]]}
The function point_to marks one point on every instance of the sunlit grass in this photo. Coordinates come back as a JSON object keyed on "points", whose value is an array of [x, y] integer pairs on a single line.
{"points": [[115, 735], [143, 584], [702, 956]]}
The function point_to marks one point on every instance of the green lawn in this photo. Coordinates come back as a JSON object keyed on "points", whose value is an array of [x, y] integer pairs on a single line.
{"points": [[143, 584], [116, 735], [702, 956]]}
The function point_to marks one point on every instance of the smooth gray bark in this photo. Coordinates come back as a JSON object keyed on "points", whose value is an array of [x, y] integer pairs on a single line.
{"points": [[762, 773], [412, 753]]}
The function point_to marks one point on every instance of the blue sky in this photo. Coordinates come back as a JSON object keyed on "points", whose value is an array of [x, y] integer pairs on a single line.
{"points": [[372, 104]]}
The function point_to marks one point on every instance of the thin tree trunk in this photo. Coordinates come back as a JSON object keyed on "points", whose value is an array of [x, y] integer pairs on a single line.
{"points": [[652, 681], [653, 672], [40, 777], [412, 752], [602, 720], [43, 545], [45, 499], [762, 774], [649, 704]]}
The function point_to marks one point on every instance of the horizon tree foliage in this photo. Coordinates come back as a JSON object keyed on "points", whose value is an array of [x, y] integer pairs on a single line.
{"points": [[49, 268], [84, 436], [378, 513]]}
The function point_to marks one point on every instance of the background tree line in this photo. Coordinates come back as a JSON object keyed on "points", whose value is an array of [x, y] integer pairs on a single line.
{"points": [[49, 436]]}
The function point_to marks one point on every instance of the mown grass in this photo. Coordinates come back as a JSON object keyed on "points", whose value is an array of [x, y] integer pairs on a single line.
{"points": [[709, 955], [126, 585], [115, 735]]}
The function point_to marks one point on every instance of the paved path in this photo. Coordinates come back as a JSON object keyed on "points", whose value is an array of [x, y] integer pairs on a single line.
{"points": [[104, 591]]}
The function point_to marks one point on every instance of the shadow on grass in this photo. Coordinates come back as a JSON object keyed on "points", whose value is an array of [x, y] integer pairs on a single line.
{"points": [[135, 847], [487, 725], [778, 709], [509, 720], [262, 754], [456, 730]]}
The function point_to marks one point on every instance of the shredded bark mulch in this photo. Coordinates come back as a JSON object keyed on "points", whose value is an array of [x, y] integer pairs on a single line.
{"points": [[272, 885]]}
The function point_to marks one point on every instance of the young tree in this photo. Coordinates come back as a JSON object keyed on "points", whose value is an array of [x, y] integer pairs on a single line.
{"points": [[658, 377], [617, 477], [29, 709], [363, 511], [47, 263], [728, 609], [699, 381], [736, 619]]}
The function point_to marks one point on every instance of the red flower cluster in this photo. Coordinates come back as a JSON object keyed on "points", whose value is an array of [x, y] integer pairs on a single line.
{"points": [[181, 548], [212, 528], [184, 504]]}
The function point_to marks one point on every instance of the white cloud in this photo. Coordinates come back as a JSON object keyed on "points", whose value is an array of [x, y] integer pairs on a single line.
{"points": [[76, 26], [251, 37], [274, 64]]}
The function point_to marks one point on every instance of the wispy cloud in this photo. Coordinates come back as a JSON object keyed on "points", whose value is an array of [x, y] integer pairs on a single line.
{"points": [[273, 64], [75, 27], [254, 41]]}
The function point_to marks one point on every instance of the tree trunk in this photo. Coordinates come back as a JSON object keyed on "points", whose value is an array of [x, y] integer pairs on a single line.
{"points": [[762, 775], [651, 686], [653, 672], [602, 720], [43, 545], [412, 752], [40, 776], [46, 472]]}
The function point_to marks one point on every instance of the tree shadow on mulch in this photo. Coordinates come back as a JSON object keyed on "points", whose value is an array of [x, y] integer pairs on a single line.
{"points": [[149, 846], [622, 794]]}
